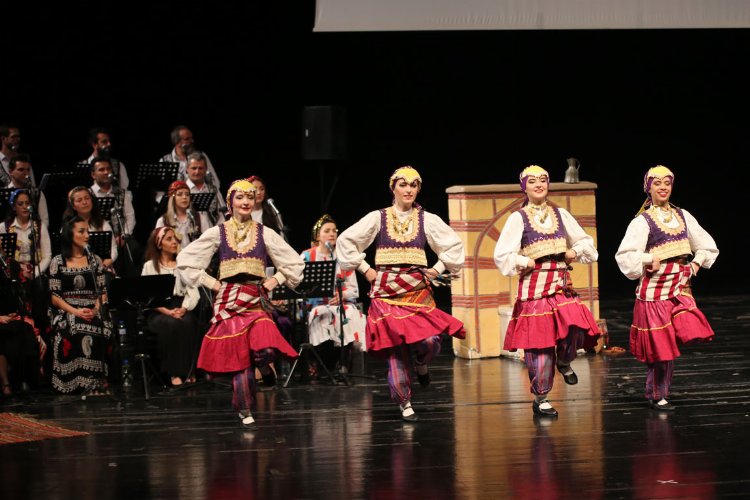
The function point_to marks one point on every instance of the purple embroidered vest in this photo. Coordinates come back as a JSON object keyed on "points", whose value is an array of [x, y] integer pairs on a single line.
{"points": [[237, 257], [394, 247], [665, 242], [539, 242]]}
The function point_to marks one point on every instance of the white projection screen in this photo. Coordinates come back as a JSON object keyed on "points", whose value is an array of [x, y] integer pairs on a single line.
{"points": [[432, 15]]}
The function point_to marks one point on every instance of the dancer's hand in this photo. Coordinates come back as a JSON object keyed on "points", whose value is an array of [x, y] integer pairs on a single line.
{"points": [[371, 274], [570, 255], [695, 268], [655, 265], [270, 284], [530, 265], [431, 273]]}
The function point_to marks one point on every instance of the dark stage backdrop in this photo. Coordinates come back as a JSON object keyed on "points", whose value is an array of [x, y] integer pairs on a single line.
{"points": [[462, 107]]}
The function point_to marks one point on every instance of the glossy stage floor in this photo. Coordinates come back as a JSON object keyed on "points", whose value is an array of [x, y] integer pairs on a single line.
{"points": [[476, 437]]}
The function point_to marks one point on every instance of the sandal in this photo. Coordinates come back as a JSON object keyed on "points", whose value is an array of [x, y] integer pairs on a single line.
{"points": [[176, 381]]}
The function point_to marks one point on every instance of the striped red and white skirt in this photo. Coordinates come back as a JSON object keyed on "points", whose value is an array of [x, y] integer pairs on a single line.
{"points": [[408, 318], [659, 326], [239, 327]]}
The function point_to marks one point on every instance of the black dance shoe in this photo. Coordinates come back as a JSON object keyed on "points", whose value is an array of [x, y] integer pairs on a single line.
{"points": [[544, 412], [248, 422], [654, 405], [570, 378], [407, 412], [424, 380]]}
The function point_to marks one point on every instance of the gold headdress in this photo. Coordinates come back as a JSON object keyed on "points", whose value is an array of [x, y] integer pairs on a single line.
{"points": [[531, 170], [242, 185], [318, 225], [409, 174]]}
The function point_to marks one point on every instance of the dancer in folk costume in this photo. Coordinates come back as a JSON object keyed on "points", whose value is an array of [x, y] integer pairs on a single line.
{"points": [[403, 321], [538, 242], [242, 336], [663, 248]]}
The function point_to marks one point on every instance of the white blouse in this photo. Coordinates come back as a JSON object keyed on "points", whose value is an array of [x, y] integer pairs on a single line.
{"points": [[23, 243], [507, 257], [631, 257], [194, 259], [352, 243]]}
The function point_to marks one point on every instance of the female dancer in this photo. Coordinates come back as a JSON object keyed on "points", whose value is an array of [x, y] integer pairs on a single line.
{"points": [[242, 336], [663, 248], [403, 320], [538, 242], [177, 328]]}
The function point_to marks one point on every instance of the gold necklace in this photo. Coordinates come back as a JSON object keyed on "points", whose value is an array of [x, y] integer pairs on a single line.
{"points": [[666, 214], [400, 228], [241, 230], [539, 209]]}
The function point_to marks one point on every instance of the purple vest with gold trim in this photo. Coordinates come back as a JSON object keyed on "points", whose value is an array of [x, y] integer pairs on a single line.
{"points": [[395, 249], [664, 242], [249, 260], [536, 244]]}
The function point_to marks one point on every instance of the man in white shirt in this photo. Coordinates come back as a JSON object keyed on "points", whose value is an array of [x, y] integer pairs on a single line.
{"points": [[10, 142], [101, 147], [182, 139], [197, 167], [19, 171], [103, 187]]}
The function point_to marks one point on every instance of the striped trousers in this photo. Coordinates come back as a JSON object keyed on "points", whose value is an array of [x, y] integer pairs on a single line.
{"points": [[659, 379], [541, 362], [244, 386], [400, 365]]}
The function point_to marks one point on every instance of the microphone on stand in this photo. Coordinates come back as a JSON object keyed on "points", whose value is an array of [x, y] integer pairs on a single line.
{"points": [[273, 206], [329, 247]]}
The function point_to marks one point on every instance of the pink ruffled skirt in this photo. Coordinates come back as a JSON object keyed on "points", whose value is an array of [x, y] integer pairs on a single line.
{"points": [[541, 323], [659, 326], [228, 345], [407, 319]]}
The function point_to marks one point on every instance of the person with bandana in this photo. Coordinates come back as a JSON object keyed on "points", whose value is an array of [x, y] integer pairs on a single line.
{"points": [[242, 335], [403, 321], [323, 319], [664, 248], [538, 243], [180, 215]]}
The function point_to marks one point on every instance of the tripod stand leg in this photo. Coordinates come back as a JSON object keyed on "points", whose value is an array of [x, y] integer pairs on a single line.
{"points": [[291, 372], [145, 376]]}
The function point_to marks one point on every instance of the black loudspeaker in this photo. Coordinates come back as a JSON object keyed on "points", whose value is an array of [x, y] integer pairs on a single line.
{"points": [[323, 133]]}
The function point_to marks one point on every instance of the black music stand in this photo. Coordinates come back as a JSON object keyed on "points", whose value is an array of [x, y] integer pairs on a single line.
{"points": [[105, 204], [101, 243], [319, 282], [5, 195], [139, 294], [65, 180], [8, 243], [201, 201], [157, 175]]}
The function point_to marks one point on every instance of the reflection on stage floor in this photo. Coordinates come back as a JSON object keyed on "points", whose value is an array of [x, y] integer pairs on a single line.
{"points": [[476, 437]]}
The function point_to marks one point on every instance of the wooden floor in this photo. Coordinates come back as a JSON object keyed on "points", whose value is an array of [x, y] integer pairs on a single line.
{"points": [[476, 437]]}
